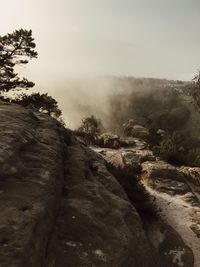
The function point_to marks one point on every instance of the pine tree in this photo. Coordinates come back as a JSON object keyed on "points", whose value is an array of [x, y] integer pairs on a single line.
{"points": [[16, 48]]}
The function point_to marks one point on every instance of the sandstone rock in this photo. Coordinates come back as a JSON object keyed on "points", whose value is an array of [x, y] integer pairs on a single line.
{"points": [[30, 180], [162, 169], [123, 162], [140, 131], [164, 177], [109, 141], [126, 160], [113, 141], [173, 252], [196, 229], [127, 141], [134, 130], [98, 226], [190, 198], [59, 205], [192, 174]]}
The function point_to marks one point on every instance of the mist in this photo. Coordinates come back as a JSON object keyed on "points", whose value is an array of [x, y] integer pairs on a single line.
{"points": [[82, 97], [105, 97], [84, 45]]}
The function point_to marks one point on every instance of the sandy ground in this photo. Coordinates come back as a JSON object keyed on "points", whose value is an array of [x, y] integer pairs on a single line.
{"points": [[180, 216]]}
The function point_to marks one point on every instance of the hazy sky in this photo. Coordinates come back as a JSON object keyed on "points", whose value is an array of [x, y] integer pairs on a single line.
{"points": [[157, 38]]}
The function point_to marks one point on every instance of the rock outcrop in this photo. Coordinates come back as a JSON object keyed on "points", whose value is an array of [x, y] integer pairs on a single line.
{"points": [[177, 199], [114, 141], [164, 177], [166, 202], [98, 225], [31, 173], [135, 130], [109, 141], [59, 205], [192, 174]]}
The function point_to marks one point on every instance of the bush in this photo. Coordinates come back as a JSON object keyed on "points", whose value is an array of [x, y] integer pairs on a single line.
{"points": [[159, 108], [89, 130], [39, 102], [194, 156], [179, 148]]}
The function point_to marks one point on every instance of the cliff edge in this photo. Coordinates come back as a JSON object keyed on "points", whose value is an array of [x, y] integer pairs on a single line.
{"points": [[59, 205]]}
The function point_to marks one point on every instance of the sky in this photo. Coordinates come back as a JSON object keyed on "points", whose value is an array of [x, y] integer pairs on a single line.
{"points": [[84, 38], [146, 38]]}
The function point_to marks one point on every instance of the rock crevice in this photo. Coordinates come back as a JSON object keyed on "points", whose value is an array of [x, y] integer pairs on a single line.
{"points": [[59, 205]]}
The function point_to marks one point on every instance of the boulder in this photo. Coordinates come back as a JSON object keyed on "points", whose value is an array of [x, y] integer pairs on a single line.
{"points": [[124, 162], [134, 130], [139, 131], [113, 141], [109, 141], [127, 141]]}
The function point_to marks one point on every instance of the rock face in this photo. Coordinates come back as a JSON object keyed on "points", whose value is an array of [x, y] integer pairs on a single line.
{"points": [[114, 141], [178, 201], [109, 141], [59, 205], [162, 188], [127, 159], [164, 177], [30, 185], [192, 174], [98, 226]]}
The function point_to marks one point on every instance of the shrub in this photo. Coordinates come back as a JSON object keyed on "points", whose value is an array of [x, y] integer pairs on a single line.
{"points": [[179, 148], [89, 130]]}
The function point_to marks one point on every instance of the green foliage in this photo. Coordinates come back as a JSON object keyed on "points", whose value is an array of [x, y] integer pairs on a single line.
{"points": [[18, 48], [194, 156], [193, 124], [89, 130], [40, 102], [90, 125], [195, 91], [183, 147], [171, 119], [15, 49], [155, 108], [179, 148]]}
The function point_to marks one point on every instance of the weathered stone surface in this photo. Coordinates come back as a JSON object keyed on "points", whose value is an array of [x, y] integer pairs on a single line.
{"points": [[114, 141], [98, 226], [173, 252], [126, 160], [127, 141], [109, 141], [164, 177], [30, 182], [135, 130], [59, 206], [140, 131], [192, 174], [190, 198], [169, 246]]}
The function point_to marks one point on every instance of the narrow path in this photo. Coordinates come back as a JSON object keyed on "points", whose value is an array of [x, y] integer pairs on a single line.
{"points": [[179, 215], [175, 211]]}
